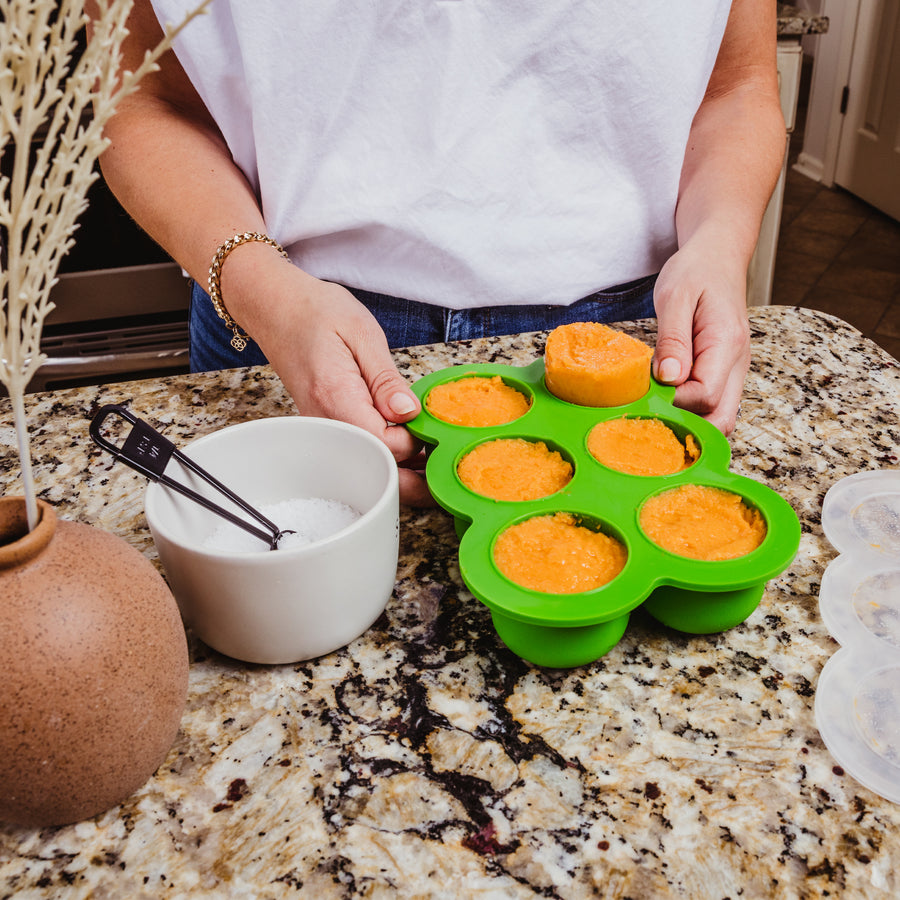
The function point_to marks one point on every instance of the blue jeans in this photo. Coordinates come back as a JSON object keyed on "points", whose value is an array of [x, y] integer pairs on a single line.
{"points": [[408, 323]]}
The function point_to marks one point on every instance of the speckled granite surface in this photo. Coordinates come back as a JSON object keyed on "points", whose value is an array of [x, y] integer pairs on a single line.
{"points": [[425, 760], [795, 21]]}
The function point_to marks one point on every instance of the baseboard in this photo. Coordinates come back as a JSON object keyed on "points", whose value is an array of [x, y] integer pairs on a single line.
{"points": [[809, 166]]}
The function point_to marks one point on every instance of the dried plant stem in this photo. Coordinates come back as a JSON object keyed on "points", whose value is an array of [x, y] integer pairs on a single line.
{"points": [[21, 423], [60, 107]]}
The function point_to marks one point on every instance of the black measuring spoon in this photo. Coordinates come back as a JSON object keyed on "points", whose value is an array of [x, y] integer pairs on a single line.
{"points": [[147, 451]]}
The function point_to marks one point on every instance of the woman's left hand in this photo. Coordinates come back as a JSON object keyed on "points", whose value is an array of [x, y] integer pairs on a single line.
{"points": [[703, 343]]}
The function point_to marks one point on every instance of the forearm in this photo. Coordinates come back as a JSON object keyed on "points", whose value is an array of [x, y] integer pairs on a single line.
{"points": [[736, 143], [178, 181], [733, 158]]}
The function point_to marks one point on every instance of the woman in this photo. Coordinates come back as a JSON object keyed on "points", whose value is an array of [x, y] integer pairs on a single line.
{"points": [[425, 170]]}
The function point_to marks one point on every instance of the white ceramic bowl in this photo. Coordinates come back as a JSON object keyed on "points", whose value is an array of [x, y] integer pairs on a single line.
{"points": [[286, 605]]}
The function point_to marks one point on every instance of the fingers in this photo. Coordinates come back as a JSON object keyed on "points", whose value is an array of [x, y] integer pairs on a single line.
{"points": [[718, 408], [414, 490], [703, 344], [390, 394], [403, 446], [726, 414], [334, 360], [376, 397]]}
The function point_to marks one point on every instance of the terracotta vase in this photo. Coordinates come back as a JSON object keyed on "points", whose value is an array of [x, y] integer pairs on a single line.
{"points": [[93, 668]]}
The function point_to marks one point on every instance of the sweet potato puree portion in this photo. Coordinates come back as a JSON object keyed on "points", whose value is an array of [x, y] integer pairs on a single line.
{"points": [[476, 401], [591, 364], [556, 555], [702, 523], [514, 469], [641, 447]]}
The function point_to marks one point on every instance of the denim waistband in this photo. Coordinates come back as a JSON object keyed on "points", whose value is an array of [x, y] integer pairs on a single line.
{"points": [[409, 323]]}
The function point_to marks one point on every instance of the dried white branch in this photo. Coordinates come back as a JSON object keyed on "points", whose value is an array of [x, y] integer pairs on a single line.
{"points": [[53, 108]]}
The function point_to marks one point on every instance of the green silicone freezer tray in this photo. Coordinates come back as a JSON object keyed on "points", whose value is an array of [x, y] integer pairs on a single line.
{"points": [[565, 630]]}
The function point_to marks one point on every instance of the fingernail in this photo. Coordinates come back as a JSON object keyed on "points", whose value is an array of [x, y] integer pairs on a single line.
{"points": [[402, 404], [668, 370]]}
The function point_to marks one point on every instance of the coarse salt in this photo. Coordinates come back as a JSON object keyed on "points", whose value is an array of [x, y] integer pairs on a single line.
{"points": [[310, 518]]}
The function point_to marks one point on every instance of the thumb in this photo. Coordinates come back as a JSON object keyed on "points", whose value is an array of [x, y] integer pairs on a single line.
{"points": [[391, 395], [674, 355]]}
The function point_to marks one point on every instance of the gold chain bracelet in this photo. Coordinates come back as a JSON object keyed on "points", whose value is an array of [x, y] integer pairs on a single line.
{"points": [[238, 340]]}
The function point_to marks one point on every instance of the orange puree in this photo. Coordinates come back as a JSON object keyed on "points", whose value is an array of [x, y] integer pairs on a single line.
{"points": [[476, 401], [556, 555], [594, 365], [702, 523], [514, 469], [641, 447]]}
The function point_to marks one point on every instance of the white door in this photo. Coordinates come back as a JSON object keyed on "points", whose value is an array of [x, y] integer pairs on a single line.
{"points": [[868, 156]]}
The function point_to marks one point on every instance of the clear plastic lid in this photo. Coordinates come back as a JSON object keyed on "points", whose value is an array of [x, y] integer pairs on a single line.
{"points": [[858, 695]]}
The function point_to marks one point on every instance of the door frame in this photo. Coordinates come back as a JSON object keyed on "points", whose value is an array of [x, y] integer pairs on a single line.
{"points": [[847, 13]]}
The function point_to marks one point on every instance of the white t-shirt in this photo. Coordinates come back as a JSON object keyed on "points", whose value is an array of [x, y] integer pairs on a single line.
{"points": [[459, 152]]}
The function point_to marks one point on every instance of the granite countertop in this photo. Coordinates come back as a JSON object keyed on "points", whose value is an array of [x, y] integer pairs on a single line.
{"points": [[795, 21], [426, 760]]}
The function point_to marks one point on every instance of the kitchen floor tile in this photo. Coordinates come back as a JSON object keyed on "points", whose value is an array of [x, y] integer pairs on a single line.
{"points": [[789, 293], [799, 267], [811, 243], [876, 245], [889, 344], [790, 210], [889, 324], [798, 187], [846, 275], [841, 224], [859, 310], [838, 200]]}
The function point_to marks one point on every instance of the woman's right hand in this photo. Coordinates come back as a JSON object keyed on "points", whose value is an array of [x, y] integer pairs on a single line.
{"points": [[329, 351]]}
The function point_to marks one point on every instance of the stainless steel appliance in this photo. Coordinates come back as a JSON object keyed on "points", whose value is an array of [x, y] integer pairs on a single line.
{"points": [[117, 323], [121, 305]]}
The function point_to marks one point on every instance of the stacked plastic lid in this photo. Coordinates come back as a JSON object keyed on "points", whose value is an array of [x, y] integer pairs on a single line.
{"points": [[858, 695], [562, 630]]}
